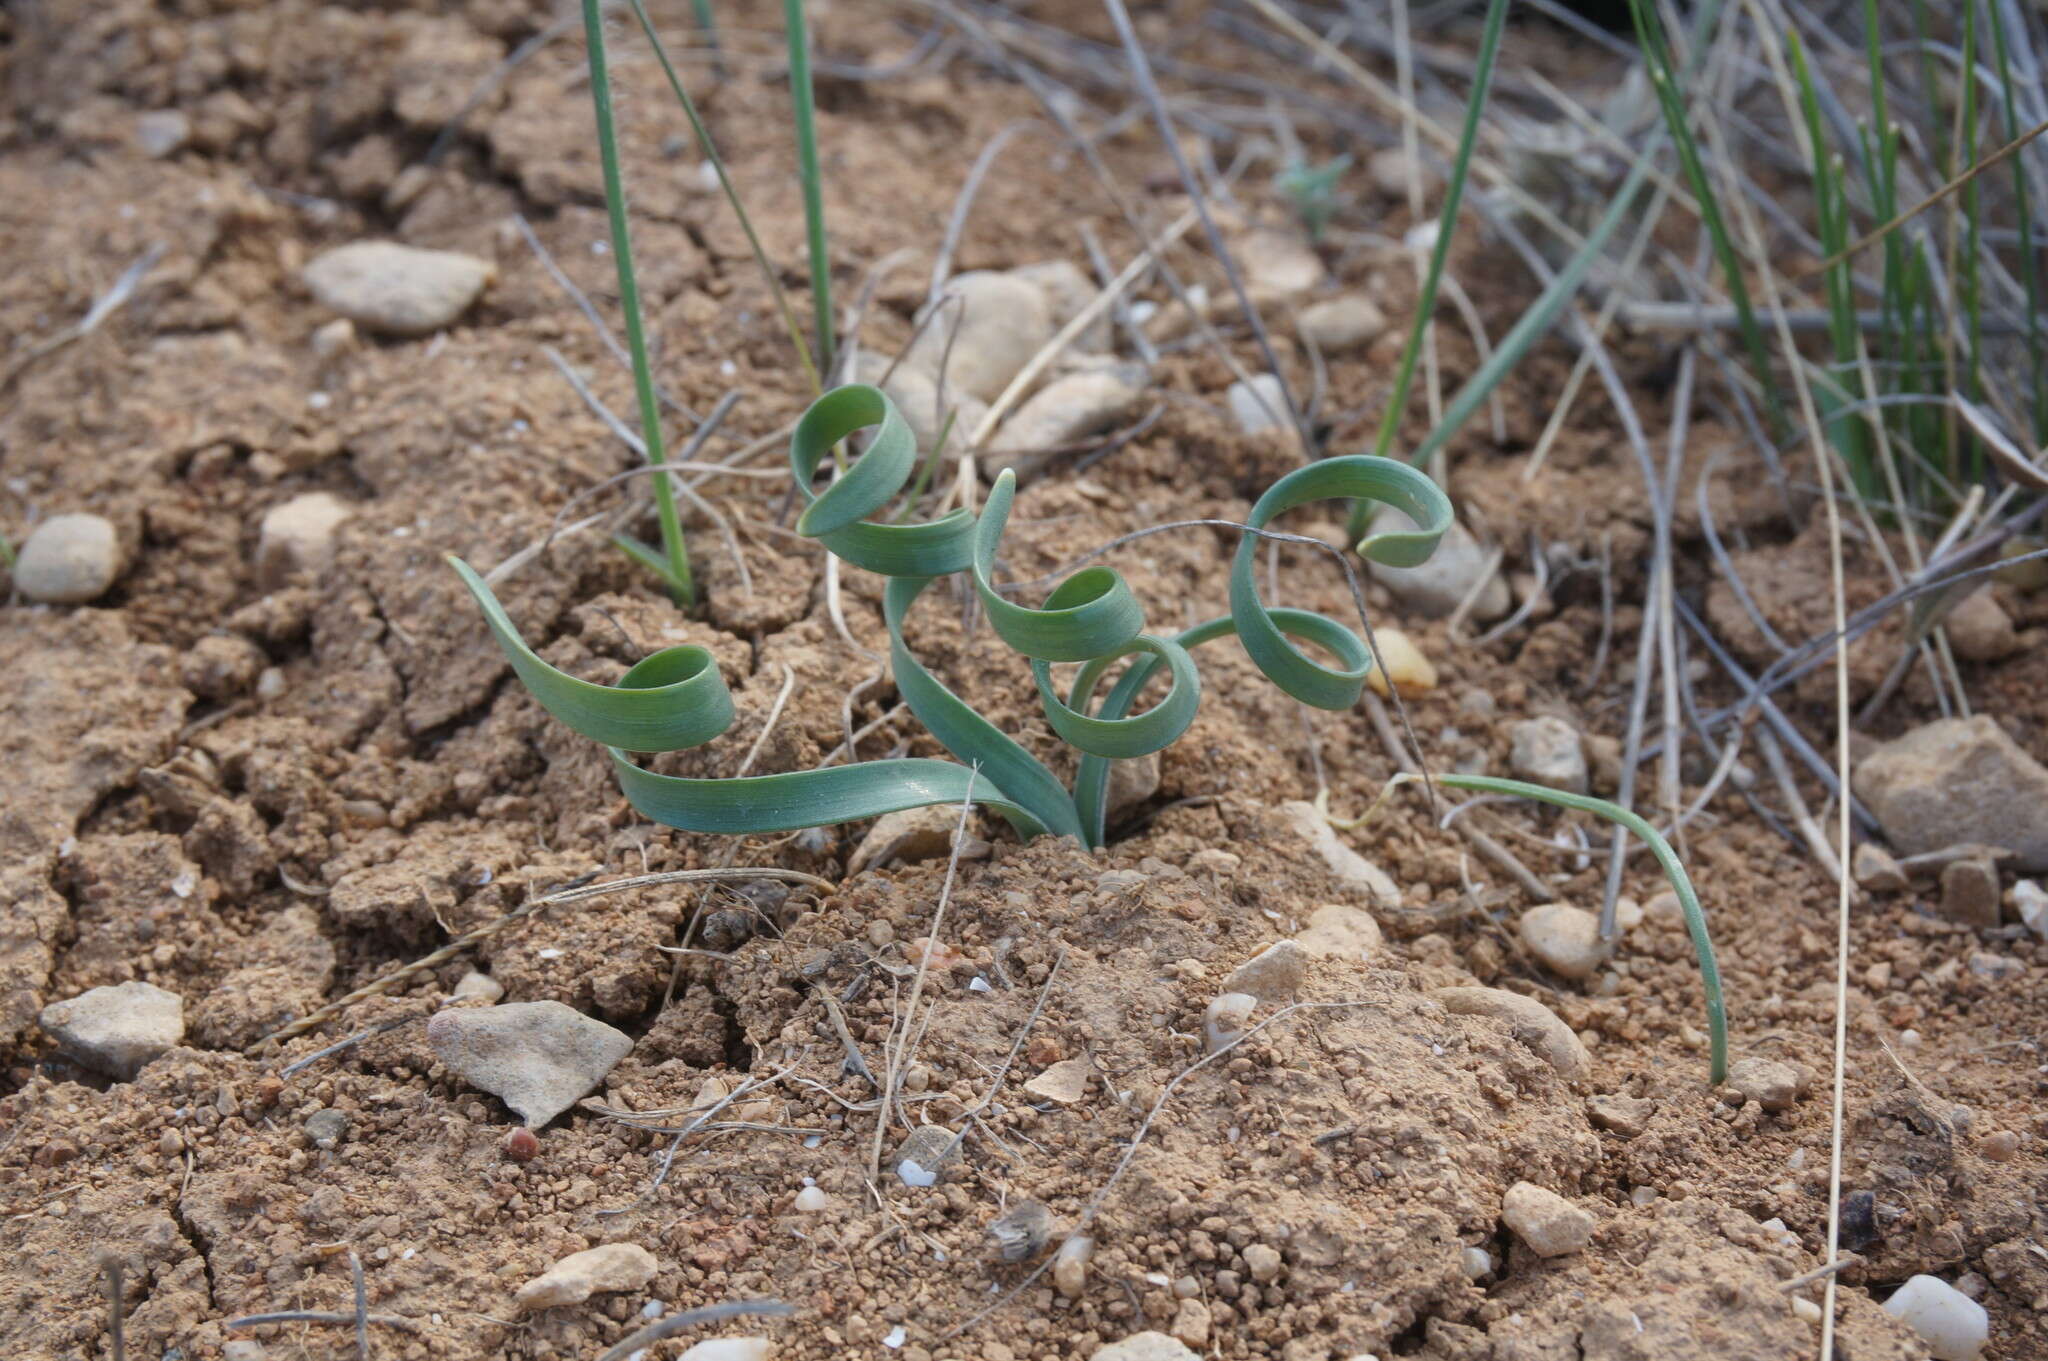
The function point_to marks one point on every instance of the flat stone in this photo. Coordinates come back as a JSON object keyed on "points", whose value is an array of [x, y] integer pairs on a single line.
{"points": [[1068, 292], [1957, 780], [1066, 412], [1346, 864], [1969, 893], [1279, 262], [1954, 1326], [1002, 321], [594, 1271], [1410, 672], [1979, 629], [1566, 939], [1145, 1346], [399, 290], [1877, 869], [298, 537], [116, 1030], [1065, 1082], [539, 1058], [1131, 782], [68, 560], [1546, 750], [1340, 324], [1769, 1083], [1434, 588], [326, 1128], [1532, 1023], [913, 834], [1259, 405], [1551, 1225], [162, 132], [477, 987], [1340, 931], [1627, 1116], [1274, 974]]}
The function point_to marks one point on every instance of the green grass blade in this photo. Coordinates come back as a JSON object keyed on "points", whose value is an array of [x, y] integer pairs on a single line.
{"points": [[801, 99], [678, 575], [1447, 225], [1667, 859], [1664, 81], [709, 151], [2030, 278]]}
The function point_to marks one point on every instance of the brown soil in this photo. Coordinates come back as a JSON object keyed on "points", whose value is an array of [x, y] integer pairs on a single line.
{"points": [[263, 852]]}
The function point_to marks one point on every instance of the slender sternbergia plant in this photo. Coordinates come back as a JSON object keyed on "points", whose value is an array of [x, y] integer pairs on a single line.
{"points": [[676, 698]]}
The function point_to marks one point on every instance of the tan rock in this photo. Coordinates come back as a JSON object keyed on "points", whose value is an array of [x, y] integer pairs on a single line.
{"points": [[1532, 1023]]}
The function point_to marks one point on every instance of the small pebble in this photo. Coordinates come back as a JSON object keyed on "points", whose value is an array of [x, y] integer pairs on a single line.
{"points": [[594, 1271], [1546, 750], [1528, 1020], [1806, 1309], [1226, 1019], [396, 289], [1769, 1083], [326, 1128], [1069, 411], [1390, 168], [68, 560], [1343, 323], [1258, 406], [913, 834], [1551, 1225], [812, 1199], [539, 1058], [1274, 974], [2000, 1145], [1263, 1262], [987, 328], [1279, 262], [1627, 1116], [1070, 1266], [2030, 905], [1436, 587], [116, 1030], [1340, 931], [1566, 939], [298, 536], [1346, 864], [1408, 672], [1876, 869], [1065, 1082], [1954, 1326], [162, 132], [1969, 893], [522, 1145], [477, 987], [1477, 1262]]}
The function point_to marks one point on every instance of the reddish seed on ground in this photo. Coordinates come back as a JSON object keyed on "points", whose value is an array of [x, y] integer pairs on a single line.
{"points": [[521, 1146]]}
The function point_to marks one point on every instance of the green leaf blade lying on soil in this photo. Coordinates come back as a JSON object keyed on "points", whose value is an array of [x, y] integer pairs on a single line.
{"points": [[1674, 870]]}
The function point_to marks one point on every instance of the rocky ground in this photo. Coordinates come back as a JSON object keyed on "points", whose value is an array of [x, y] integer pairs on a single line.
{"points": [[1243, 1084]]}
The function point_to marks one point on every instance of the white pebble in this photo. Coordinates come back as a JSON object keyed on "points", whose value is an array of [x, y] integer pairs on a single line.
{"points": [[1954, 1326], [68, 560]]}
